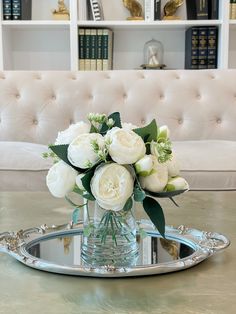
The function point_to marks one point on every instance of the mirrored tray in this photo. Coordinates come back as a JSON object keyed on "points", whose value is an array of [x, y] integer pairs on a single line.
{"points": [[57, 249]]}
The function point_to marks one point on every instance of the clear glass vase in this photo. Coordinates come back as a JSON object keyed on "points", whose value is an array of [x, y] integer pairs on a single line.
{"points": [[109, 237]]}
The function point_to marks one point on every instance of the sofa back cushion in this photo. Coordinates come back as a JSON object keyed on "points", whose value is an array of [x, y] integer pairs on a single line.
{"points": [[196, 105]]}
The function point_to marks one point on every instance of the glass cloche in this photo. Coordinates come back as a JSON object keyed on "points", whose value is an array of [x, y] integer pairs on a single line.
{"points": [[153, 55]]}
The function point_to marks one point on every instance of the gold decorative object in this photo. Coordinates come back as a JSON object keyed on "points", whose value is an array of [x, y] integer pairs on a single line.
{"points": [[170, 9], [62, 13], [135, 9]]}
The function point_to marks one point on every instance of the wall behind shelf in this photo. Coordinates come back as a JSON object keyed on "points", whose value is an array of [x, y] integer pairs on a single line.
{"points": [[35, 49]]}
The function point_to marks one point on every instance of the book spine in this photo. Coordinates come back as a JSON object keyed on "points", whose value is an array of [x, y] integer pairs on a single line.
{"points": [[149, 10], [157, 10], [212, 47], [192, 48], [93, 50], [213, 9], [26, 9], [202, 63], [99, 49], [191, 9], [107, 49], [202, 9], [233, 9], [87, 49], [16, 9], [7, 9], [81, 49]]}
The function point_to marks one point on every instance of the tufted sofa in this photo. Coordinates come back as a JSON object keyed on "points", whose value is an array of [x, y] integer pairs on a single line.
{"points": [[198, 106]]}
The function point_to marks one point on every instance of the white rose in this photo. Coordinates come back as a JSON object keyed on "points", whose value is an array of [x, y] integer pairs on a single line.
{"points": [[78, 181], [156, 181], [112, 185], [128, 126], [125, 146], [81, 151], [61, 179], [173, 166], [163, 132], [177, 183], [68, 135], [144, 166]]}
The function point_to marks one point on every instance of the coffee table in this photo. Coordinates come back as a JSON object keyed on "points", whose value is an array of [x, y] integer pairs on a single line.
{"points": [[210, 287]]}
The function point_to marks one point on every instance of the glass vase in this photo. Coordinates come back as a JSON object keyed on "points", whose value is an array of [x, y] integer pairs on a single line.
{"points": [[109, 237]]}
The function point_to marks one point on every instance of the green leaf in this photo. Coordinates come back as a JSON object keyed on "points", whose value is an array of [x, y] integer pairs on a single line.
{"points": [[75, 215], [128, 204], [139, 194], [155, 213], [93, 129], [61, 152], [117, 122], [166, 193], [87, 179], [89, 197], [149, 132]]}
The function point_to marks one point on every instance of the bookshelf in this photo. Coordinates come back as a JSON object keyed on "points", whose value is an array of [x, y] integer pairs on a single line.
{"points": [[46, 44]]}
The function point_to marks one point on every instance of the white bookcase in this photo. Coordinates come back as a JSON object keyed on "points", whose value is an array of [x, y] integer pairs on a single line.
{"points": [[45, 44]]}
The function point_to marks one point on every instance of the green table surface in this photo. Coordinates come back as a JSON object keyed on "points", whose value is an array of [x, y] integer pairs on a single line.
{"points": [[209, 287]]}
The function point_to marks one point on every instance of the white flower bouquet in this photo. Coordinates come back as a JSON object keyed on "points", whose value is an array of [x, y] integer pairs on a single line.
{"points": [[115, 164]]}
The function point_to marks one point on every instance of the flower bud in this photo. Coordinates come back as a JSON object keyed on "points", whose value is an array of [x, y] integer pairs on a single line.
{"points": [[144, 166], [163, 133], [177, 183]]}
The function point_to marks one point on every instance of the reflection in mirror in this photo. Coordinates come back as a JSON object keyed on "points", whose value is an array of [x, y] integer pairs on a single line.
{"points": [[67, 250]]}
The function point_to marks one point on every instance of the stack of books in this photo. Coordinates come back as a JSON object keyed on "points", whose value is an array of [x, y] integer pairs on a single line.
{"points": [[201, 47], [17, 9], [202, 9], [232, 9], [152, 10], [95, 49]]}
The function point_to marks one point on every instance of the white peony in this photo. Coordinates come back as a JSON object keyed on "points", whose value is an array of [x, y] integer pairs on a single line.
{"points": [[156, 181], [144, 166], [68, 135], [128, 126], [112, 185], [177, 183], [173, 166], [125, 146], [61, 179], [81, 151]]}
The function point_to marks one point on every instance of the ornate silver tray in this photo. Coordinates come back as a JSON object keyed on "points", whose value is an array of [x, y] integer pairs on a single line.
{"points": [[57, 249]]}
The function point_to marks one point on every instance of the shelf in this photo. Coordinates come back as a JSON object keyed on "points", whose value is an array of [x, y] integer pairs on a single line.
{"points": [[149, 25], [34, 24]]}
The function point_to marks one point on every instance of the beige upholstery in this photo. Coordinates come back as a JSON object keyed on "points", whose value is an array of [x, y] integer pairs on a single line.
{"points": [[196, 105]]}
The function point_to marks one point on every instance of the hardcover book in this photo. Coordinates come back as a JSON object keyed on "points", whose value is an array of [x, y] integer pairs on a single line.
{"points": [[157, 9], [192, 48], [99, 49], [149, 10], [7, 10], [81, 49], [107, 49], [213, 9], [16, 9], [87, 49], [203, 45], [93, 49], [197, 9], [212, 47]]}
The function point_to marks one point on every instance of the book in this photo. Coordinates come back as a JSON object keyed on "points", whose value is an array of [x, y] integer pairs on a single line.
{"points": [[87, 45], [7, 9], [81, 49], [213, 9], [212, 47], [197, 9], [202, 9], [99, 49], [16, 9], [107, 49], [93, 49], [157, 10], [232, 9], [83, 10], [202, 50], [191, 48], [96, 9], [149, 10]]}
